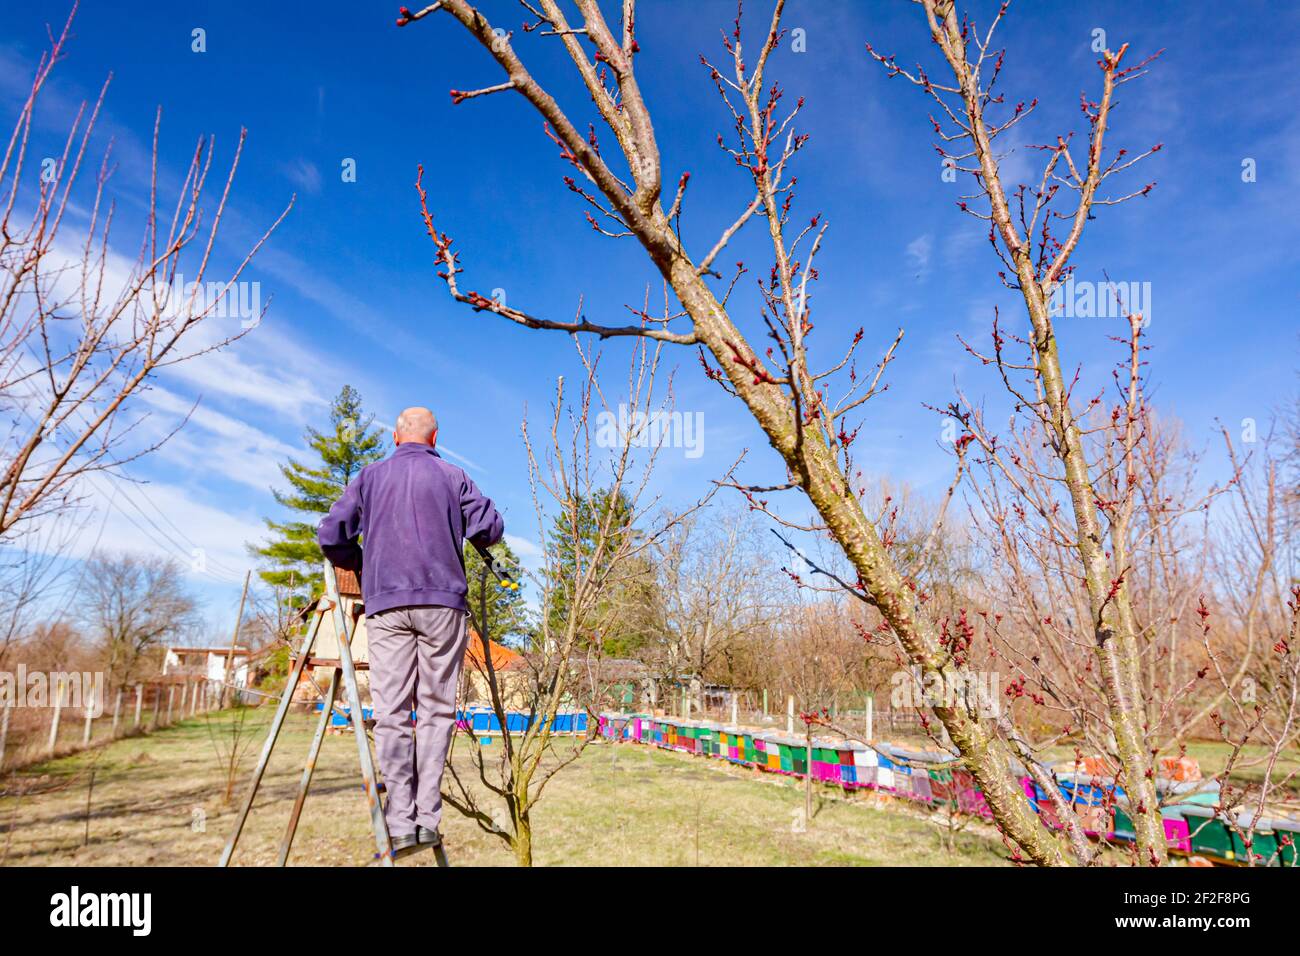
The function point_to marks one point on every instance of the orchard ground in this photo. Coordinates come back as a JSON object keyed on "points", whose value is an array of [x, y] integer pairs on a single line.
{"points": [[159, 800]]}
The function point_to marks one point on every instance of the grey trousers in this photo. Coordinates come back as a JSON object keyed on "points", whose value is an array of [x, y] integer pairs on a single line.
{"points": [[415, 660]]}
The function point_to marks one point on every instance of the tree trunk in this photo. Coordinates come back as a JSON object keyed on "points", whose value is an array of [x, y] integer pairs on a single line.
{"points": [[522, 841]]}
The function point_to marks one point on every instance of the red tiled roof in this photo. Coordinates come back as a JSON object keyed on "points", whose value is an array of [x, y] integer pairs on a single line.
{"points": [[503, 658]]}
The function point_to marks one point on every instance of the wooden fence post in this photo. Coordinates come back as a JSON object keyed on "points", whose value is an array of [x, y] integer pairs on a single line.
{"points": [[117, 712], [171, 698]]}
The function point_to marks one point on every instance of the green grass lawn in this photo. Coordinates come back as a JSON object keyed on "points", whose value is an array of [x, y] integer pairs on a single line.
{"points": [[158, 800]]}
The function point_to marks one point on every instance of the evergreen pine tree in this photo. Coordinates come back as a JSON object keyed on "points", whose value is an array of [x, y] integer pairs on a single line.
{"points": [[573, 547], [342, 451]]}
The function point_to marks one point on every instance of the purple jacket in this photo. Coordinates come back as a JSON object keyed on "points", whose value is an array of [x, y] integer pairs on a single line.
{"points": [[414, 509]]}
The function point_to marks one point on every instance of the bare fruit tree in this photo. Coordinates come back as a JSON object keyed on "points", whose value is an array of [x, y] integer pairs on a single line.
{"points": [[82, 329], [806, 411], [589, 480]]}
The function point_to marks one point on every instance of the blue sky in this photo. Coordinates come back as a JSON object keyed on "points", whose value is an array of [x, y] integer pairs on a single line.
{"points": [[355, 298]]}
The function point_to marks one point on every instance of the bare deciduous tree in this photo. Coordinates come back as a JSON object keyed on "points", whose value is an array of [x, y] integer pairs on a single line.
{"points": [[789, 398], [578, 466], [84, 330], [1077, 493], [716, 588], [134, 605]]}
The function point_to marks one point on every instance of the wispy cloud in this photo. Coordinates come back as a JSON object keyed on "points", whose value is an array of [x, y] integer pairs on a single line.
{"points": [[303, 174], [918, 255]]}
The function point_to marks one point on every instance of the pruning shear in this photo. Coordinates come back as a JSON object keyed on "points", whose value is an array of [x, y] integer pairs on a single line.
{"points": [[498, 568]]}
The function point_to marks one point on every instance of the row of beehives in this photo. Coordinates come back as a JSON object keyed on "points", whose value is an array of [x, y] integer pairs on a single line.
{"points": [[482, 721], [1192, 823]]}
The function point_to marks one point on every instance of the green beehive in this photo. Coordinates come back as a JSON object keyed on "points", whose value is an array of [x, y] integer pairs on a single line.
{"points": [[1123, 825], [1287, 834], [786, 752], [1209, 833], [1263, 846], [798, 757], [711, 741]]}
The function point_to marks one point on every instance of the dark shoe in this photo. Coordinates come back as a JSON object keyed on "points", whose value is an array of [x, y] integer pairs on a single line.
{"points": [[404, 844], [428, 837]]}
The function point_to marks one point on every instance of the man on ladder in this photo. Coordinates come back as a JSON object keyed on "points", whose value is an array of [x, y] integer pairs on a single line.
{"points": [[413, 509]]}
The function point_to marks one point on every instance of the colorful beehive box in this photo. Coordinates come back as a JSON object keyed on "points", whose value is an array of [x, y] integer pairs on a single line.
{"points": [[1181, 768], [1264, 849], [921, 789], [734, 749], [884, 772], [1091, 797], [1287, 833], [1209, 832], [1176, 832], [865, 764], [1177, 835], [1203, 793], [970, 799], [826, 762], [785, 756], [704, 736], [798, 756], [844, 764]]}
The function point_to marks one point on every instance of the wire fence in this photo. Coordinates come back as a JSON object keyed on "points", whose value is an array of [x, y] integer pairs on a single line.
{"points": [[69, 721]]}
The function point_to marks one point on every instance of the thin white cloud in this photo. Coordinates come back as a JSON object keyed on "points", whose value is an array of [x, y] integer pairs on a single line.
{"points": [[304, 175], [217, 445], [918, 253]]}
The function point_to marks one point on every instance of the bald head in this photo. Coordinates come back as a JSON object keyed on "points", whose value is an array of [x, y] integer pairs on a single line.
{"points": [[416, 424]]}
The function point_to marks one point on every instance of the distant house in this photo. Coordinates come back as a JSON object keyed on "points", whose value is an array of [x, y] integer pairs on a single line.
{"points": [[206, 663]]}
